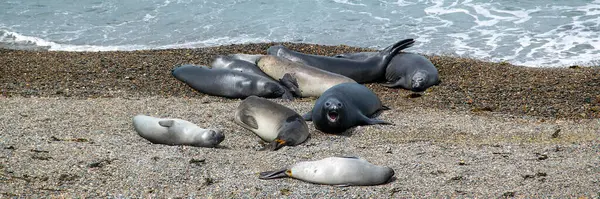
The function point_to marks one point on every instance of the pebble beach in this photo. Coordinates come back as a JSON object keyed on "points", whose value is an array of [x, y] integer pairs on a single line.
{"points": [[490, 129]]}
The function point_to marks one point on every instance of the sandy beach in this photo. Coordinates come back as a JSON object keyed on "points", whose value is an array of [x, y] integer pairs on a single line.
{"points": [[489, 130]]}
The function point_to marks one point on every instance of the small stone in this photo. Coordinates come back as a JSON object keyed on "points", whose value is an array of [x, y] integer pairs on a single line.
{"points": [[556, 133], [541, 156], [285, 192], [197, 161]]}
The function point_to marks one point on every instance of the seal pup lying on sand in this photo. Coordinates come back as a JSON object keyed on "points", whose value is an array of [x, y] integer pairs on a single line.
{"points": [[409, 71], [340, 171], [229, 83], [301, 79], [345, 106], [175, 132], [272, 122], [370, 69]]}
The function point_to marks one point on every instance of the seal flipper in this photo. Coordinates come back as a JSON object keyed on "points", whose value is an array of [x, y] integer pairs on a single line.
{"points": [[248, 120], [371, 121], [273, 174], [275, 145], [391, 51], [398, 46], [379, 111], [291, 83], [166, 123], [392, 84], [307, 116], [287, 95]]}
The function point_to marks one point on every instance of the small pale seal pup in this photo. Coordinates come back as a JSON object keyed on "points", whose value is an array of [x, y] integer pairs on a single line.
{"points": [[340, 171], [272, 122], [229, 83], [299, 78], [409, 71], [244, 63], [345, 106], [370, 69], [176, 132]]}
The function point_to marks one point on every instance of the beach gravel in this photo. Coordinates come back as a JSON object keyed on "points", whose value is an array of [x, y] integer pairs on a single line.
{"points": [[489, 130]]}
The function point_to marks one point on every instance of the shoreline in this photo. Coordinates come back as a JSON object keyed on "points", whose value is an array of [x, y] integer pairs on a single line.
{"points": [[467, 84]]}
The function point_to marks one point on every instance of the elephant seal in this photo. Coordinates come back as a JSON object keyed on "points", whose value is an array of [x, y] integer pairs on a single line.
{"points": [[370, 69], [301, 79], [272, 122], [409, 71], [244, 63], [345, 106], [229, 83], [340, 171], [175, 132]]}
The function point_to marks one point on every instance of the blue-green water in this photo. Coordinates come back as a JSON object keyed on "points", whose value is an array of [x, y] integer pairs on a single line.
{"points": [[525, 32]]}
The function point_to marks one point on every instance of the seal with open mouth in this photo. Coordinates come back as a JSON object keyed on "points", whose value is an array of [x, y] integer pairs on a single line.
{"points": [[344, 106]]}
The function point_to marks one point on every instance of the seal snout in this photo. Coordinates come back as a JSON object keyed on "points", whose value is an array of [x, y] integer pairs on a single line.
{"points": [[217, 135], [333, 108], [418, 82]]}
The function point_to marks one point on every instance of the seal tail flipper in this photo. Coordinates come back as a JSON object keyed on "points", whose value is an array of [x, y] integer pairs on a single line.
{"points": [[372, 121], [379, 111], [404, 44], [390, 52], [274, 146], [166, 123], [291, 83], [273, 174], [307, 116], [398, 46]]}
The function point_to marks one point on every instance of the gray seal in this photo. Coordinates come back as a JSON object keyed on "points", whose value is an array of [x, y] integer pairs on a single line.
{"points": [[370, 69], [339, 171], [229, 83], [345, 106], [175, 132], [299, 78], [272, 122], [409, 71], [244, 63]]}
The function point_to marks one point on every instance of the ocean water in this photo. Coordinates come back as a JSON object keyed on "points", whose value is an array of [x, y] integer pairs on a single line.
{"points": [[524, 32]]}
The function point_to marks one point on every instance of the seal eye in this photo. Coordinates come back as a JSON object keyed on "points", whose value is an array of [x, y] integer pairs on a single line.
{"points": [[339, 105], [327, 104]]}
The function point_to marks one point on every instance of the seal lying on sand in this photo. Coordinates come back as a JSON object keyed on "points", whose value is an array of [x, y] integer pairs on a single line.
{"points": [[409, 71], [370, 69], [341, 171], [244, 63], [345, 106], [301, 79], [272, 122], [229, 83], [175, 132]]}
